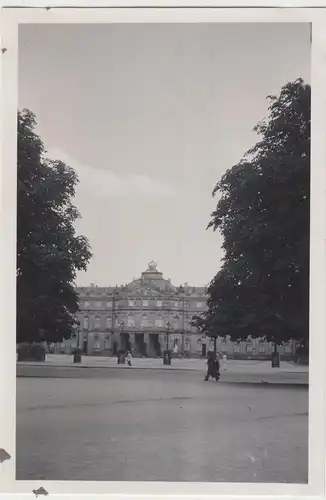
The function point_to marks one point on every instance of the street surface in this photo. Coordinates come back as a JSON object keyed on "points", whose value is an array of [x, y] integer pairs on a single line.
{"points": [[151, 425]]}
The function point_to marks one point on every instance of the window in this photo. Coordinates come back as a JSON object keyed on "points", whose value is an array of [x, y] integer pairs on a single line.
{"points": [[109, 304], [131, 303], [131, 322], [145, 322], [107, 343], [98, 304], [159, 322], [108, 322], [86, 323], [261, 349], [97, 323], [176, 304], [86, 304], [159, 303], [199, 305], [145, 303]]}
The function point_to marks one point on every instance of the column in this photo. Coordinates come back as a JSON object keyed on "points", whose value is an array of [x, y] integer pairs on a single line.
{"points": [[132, 340]]}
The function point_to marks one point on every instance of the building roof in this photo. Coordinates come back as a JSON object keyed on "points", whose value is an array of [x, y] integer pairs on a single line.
{"points": [[150, 282]]}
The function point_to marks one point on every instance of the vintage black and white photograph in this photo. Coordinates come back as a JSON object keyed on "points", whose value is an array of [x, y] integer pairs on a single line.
{"points": [[163, 243]]}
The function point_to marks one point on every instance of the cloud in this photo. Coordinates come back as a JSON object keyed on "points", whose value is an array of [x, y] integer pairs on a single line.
{"points": [[105, 183]]}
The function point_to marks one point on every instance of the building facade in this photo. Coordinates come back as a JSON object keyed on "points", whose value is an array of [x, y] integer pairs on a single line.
{"points": [[147, 316]]}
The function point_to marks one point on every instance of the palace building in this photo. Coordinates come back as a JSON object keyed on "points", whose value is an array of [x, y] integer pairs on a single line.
{"points": [[147, 316]]}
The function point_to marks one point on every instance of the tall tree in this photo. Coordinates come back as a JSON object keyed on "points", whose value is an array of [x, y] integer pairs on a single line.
{"points": [[49, 253], [263, 214]]}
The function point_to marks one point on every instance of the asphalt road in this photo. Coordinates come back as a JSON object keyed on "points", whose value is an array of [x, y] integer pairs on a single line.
{"points": [[147, 425]]}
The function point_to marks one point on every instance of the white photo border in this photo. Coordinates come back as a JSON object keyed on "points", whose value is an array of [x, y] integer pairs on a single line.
{"points": [[10, 20]]}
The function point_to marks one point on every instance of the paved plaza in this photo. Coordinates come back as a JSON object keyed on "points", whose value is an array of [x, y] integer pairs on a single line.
{"points": [[154, 425]]}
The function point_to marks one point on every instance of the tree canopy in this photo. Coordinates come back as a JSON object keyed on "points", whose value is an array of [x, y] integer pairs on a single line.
{"points": [[263, 214], [49, 253]]}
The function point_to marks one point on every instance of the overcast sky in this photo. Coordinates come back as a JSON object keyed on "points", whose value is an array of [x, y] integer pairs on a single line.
{"points": [[151, 116]]}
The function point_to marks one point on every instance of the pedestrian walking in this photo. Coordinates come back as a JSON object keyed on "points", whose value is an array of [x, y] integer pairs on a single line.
{"points": [[213, 366], [224, 361], [129, 358]]}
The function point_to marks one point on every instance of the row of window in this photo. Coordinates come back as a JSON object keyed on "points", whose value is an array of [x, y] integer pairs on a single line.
{"points": [[97, 323], [94, 290], [132, 303]]}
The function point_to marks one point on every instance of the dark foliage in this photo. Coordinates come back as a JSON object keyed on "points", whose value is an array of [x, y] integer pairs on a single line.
{"points": [[48, 250], [263, 214]]}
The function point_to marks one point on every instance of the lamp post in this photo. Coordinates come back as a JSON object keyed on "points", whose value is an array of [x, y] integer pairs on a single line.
{"points": [[115, 299], [168, 325], [122, 325], [181, 296], [167, 356], [114, 315], [78, 337]]}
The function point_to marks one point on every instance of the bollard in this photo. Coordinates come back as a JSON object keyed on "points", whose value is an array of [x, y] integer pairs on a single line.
{"points": [[166, 358], [275, 360]]}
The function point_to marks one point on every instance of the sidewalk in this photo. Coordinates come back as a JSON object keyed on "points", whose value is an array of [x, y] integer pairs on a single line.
{"points": [[238, 371]]}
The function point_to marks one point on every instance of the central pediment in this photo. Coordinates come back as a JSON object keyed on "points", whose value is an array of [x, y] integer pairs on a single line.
{"points": [[150, 288], [151, 282]]}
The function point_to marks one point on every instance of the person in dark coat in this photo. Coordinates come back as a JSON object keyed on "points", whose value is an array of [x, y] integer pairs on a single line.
{"points": [[213, 366]]}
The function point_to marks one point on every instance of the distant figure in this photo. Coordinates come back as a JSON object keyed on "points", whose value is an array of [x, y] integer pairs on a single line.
{"points": [[175, 349], [129, 358], [224, 361]]}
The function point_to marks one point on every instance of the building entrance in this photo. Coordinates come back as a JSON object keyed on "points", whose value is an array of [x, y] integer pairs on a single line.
{"points": [[154, 348], [140, 346], [125, 342]]}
